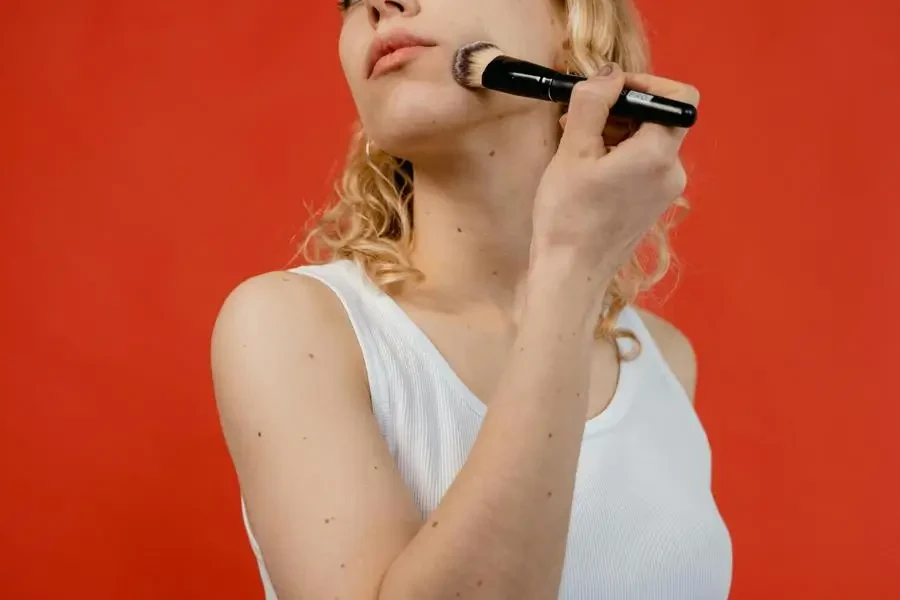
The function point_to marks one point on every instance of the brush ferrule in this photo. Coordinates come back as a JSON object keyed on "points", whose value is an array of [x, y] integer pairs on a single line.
{"points": [[522, 78]]}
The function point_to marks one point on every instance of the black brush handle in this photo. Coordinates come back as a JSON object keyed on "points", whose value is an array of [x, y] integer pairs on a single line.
{"points": [[530, 80]]}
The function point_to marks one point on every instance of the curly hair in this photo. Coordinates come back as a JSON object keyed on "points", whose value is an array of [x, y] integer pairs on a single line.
{"points": [[371, 222]]}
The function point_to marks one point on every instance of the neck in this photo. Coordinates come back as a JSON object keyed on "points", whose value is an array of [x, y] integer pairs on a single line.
{"points": [[473, 208]]}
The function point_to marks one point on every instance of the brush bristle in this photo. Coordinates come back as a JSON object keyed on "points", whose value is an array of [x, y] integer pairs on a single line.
{"points": [[470, 62]]}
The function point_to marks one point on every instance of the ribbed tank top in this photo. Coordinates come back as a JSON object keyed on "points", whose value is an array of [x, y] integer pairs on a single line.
{"points": [[644, 523]]}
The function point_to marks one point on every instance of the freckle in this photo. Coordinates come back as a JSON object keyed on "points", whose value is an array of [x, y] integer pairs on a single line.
{"points": [[578, 394], [304, 437], [435, 524], [589, 279], [549, 435], [376, 467], [459, 230], [522, 349], [480, 582], [549, 494], [457, 594], [583, 153], [243, 345], [259, 434], [327, 521], [494, 273], [492, 152], [343, 565], [311, 355], [545, 143]]}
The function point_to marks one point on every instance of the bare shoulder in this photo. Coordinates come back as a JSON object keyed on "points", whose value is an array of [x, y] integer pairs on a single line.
{"points": [[289, 298], [676, 348], [278, 322]]}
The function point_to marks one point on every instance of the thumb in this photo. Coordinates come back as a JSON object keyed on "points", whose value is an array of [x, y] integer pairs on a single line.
{"points": [[589, 109]]}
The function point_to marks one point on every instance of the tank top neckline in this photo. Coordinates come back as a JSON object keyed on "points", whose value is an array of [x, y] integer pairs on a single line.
{"points": [[618, 406]]}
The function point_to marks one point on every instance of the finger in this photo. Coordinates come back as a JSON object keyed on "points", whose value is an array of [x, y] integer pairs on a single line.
{"points": [[618, 129], [588, 112], [660, 86], [652, 141], [668, 88]]}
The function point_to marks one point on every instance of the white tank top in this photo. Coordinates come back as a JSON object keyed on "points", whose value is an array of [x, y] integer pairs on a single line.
{"points": [[644, 523]]}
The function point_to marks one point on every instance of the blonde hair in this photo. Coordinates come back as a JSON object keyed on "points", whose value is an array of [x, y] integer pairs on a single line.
{"points": [[372, 221]]}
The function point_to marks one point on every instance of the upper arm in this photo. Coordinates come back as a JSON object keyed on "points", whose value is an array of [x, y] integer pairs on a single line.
{"points": [[676, 349], [326, 505]]}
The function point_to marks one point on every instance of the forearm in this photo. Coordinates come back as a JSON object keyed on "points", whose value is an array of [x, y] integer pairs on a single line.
{"points": [[501, 530]]}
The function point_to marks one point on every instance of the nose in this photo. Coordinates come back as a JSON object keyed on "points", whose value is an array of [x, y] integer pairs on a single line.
{"points": [[383, 9]]}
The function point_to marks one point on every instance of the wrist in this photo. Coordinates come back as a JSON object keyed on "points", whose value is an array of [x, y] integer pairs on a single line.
{"points": [[563, 283], [568, 273]]}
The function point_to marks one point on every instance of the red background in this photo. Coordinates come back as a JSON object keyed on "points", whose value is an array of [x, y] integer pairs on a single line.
{"points": [[153, 154]]}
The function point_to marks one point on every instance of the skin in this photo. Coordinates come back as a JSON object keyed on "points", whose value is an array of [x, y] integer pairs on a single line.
{"points": [[472, 246], [517, 254]]}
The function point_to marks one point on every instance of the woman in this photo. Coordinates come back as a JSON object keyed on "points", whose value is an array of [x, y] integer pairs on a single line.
{"points": [[461, 401]]}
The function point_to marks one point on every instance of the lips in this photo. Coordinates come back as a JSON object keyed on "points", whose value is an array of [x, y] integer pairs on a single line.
{"points": [[392, 42]]}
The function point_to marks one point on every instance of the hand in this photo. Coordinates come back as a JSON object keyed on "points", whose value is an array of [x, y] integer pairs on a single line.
{"points": [[595, 202]]}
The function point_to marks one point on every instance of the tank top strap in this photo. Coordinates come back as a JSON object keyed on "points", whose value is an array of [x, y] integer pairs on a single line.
{"points": [[365, 305], [651, 359]]}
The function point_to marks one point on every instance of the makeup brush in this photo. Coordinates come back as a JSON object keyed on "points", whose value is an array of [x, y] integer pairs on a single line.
{"points": [[483, 65]]}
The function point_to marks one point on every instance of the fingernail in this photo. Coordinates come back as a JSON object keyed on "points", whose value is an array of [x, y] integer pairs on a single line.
{"points": [[605, 71]]}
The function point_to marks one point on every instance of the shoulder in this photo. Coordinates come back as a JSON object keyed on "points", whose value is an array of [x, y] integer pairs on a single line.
{"points": [[278, 326], [278, 303], [675, 347]]}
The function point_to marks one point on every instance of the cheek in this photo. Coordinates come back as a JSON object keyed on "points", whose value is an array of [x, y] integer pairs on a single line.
{"points": [[352, 51], [527, 37]]}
